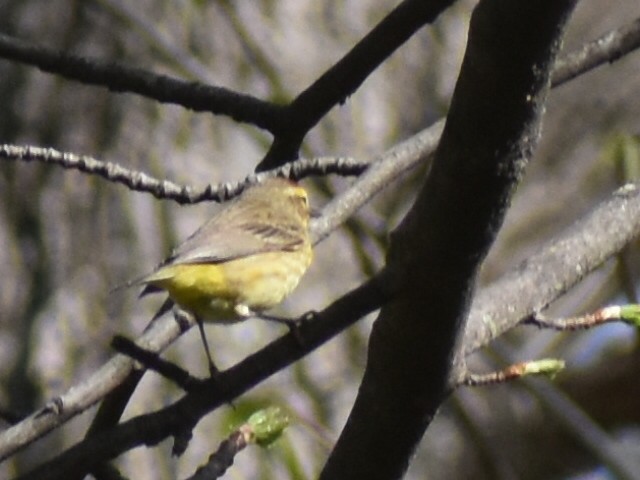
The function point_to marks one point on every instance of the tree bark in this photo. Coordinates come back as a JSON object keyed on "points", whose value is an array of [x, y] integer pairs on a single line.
{"points": [[491, 130]]}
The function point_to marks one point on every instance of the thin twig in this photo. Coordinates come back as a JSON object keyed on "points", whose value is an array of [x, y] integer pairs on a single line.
{"points": [[164, 189], [262, 428], [220, 461], [547, 367], [614, 313]]}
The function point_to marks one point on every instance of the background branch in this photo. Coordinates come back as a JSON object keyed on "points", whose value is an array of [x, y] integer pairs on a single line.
{"points": [[608, 48], [554, 268], [120, 78], [344, 78]]}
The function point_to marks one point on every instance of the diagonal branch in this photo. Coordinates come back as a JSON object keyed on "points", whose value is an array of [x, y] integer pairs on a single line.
{"points": [[344, 78], [555, 268], [180, 417], [608, 48], [82, 396]]}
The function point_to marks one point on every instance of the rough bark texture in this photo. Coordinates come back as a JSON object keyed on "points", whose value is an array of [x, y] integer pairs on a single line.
{"points": [[491, 130]]}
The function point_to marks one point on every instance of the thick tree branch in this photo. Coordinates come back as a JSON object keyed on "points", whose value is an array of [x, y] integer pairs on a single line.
{"points": [[491, 131]]}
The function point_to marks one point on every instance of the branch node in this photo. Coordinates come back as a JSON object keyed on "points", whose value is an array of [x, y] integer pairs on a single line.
{"points": [[152, 361]]}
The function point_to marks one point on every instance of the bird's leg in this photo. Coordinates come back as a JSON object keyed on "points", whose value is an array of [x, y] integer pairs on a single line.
{"points": [[213, 370], [184, 318], [292, 323]]}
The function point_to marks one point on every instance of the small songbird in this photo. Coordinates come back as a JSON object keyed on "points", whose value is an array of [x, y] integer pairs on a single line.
{"points": [[246, 259]]}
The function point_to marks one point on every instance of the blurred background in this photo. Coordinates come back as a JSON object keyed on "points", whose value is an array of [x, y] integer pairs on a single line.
{"points": [[66, 239]]}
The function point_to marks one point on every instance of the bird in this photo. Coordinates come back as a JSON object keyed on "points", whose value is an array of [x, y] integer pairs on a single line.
{"points": [[243, 261]]}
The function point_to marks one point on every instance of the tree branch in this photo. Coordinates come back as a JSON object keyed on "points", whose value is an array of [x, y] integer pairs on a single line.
{"points": [[555, 268], [82, 396], [183, 415], [383, 169], [491, 131], [608, 48], [120, 78], [344, 78], [164, 189], [292, 123]]}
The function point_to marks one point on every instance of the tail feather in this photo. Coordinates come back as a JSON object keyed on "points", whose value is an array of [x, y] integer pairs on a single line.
{"points": [[164, 308], [149, 289], [130, 283]]}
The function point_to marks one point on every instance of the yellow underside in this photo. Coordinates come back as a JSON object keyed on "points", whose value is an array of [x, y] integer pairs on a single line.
{"points": [[217, 292]]}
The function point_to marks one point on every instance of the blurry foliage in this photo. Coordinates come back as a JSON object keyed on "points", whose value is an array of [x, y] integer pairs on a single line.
{"points": [[66, 239]]}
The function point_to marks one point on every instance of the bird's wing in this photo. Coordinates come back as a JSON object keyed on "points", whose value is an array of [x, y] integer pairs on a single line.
{"points": [[215, 242]]}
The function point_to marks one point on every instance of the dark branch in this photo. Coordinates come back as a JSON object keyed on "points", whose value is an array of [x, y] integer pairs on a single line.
{"points": [[220, 461], [344, 78], [152, 361], [120, 78], [491, 131]]}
